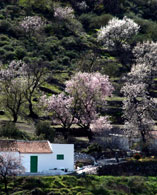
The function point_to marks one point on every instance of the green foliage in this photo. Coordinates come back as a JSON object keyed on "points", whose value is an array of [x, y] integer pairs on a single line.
{"points": [[93, 148], [86, 185], [98, 21], [20, 52], [43, 129], [9, 130], [64, 44]]}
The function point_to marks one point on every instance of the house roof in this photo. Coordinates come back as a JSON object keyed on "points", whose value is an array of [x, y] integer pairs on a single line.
{"points": [[25, 146]]}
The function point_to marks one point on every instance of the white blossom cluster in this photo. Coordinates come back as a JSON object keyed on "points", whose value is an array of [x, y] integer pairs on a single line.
{"points": [[138, 106], [118, 32], [146, 53], [100, 124], [140, 73], [12, 71], [10, 165], [63, 12], [32, 23], [82, 5], [14, 76]]}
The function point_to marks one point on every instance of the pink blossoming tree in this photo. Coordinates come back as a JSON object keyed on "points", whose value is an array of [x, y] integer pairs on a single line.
{"points": [[86, 92], [89, 91]]}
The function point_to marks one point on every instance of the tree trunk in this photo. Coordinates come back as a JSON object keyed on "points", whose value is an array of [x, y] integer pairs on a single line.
{"points": [[32, 114], [65, 133], [89, 134], [15, 117], [145, 148], [6, 186]]}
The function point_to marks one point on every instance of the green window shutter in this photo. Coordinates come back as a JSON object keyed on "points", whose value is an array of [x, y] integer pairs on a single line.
{"points": [[60, 156], [34, 164]]}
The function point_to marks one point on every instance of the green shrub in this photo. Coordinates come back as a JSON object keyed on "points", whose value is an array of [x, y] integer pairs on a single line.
{"points": [[20, 52], [9, 56], [4, 26], [8, 47], [93, 148], [31, 183], [1, 17], [4, 38], [10, 130], [2, 43], [86, 19], [99, 21], [45, 130], [2, 51]]}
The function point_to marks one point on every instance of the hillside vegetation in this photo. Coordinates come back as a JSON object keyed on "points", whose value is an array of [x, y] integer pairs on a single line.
{"points": [[89, 185], [69, 44]]}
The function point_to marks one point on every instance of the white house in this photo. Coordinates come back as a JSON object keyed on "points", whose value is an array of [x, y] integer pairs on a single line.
{"points": [[40, 156]]}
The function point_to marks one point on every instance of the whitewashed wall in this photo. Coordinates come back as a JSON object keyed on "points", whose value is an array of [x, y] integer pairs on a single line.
{"points": [[49, 161], [44, 161], [68, 151]]}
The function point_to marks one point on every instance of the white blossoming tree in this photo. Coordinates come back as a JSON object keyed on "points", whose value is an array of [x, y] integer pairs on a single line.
{"points": [[32, 24], [10, 166], [117, 33], [139, 107], [116, 36], [82, 5], [146, 53], [63, 12]]}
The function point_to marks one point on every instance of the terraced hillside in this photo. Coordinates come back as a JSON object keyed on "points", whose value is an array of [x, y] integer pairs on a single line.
{"points": [[68, 44]]}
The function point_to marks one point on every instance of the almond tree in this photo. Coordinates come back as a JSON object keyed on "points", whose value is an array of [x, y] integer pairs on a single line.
{"points": [[60, 106], [9, 166], [139, 107], [12, 91], [86, 92], [35, 75], [116, 36], [89, 91], [146, 54], [32, 24], [19, 83], [63, 12], [118, 33]]}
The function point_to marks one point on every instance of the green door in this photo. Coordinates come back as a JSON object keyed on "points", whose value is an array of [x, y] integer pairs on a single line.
{"points": [[34, 164]]}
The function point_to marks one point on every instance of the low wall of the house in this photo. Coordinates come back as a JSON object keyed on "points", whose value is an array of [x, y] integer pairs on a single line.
{"points": [[114, 141]]}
